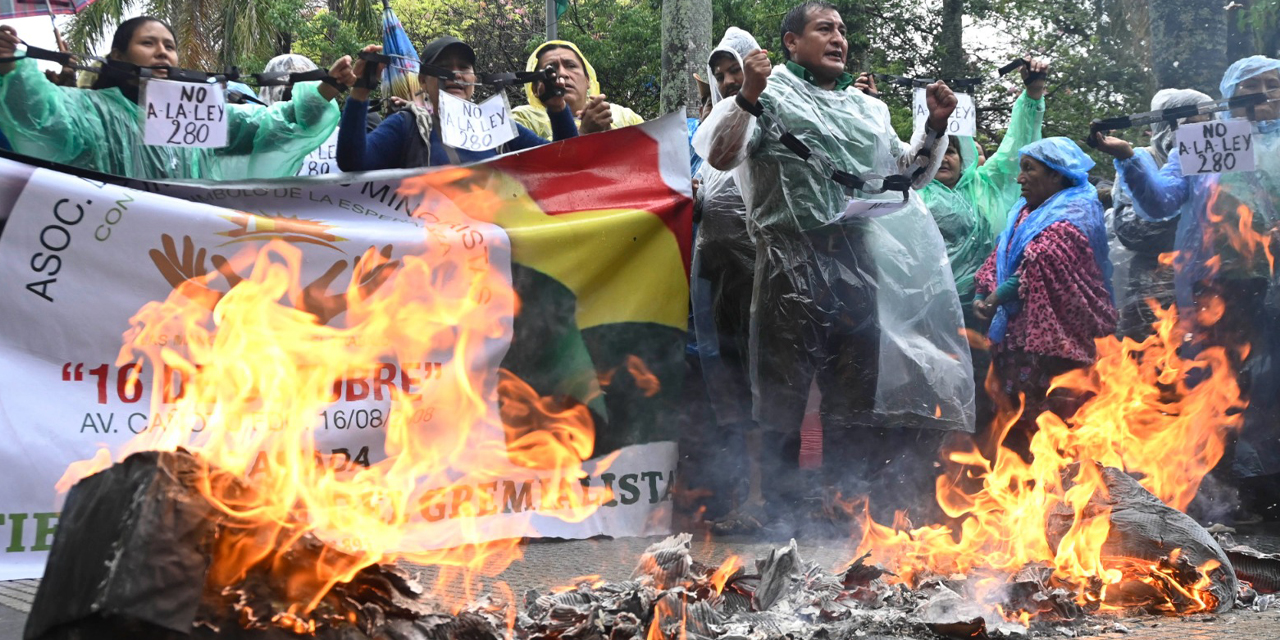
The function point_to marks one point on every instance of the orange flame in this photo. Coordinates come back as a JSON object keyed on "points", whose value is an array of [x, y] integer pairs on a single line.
{"points": [[1234, 228], [1143, 416], [259, 372], [726, 570]]}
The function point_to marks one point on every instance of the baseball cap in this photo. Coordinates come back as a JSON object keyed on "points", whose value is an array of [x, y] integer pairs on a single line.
{"points": [[437, 47]]}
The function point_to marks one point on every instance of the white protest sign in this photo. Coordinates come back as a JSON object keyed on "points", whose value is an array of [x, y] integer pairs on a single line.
{"points": [[963, 122], [324, 160], [475, 127], [1220, 146], [185, 114]]}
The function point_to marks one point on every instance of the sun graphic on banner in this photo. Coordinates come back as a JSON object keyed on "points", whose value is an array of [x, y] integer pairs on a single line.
{"points": [[291, 230]]}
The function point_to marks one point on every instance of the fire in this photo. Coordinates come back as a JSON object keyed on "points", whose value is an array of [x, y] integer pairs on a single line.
{"points": [[258, 371], [1234, 228], [1144, 415], [724, 572]]}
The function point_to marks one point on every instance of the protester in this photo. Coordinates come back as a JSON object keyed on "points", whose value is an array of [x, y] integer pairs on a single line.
{"points": [[1047, 286], [102, 129], [970, 201], [412, 137], [324, 159], [284, 63], [866, 305], [1223, 278], [1148, 279], [724, 267], [581, 93]]}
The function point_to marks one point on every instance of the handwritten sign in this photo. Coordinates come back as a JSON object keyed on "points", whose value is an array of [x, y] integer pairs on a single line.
{"points": [[963, 122], [476, 127], [1220, 146], [324, 160], [185, 114]]}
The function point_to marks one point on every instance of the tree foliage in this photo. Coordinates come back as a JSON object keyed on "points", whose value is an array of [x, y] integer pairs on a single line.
{"points": [[1104, 53], [213, 34]]}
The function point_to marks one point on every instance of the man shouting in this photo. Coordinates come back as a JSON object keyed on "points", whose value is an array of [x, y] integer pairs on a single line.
{"points": [[851, 285]]}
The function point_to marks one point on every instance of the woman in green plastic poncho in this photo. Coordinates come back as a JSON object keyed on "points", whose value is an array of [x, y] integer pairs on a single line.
{"points": [[102, 129], [970, 201]]}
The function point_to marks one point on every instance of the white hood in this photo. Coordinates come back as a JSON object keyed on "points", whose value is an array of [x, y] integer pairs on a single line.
{"points": [[737, 43]]}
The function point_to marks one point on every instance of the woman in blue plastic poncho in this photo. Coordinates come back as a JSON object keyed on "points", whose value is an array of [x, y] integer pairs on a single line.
{"points": [[1225, 284], [1046, 289], [102, 129]]}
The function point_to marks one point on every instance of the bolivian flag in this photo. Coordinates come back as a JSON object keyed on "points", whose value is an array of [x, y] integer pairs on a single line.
{"points": [[601, 266]]}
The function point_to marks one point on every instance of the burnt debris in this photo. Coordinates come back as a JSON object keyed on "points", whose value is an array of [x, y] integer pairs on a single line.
{"points": [[137, 555]]}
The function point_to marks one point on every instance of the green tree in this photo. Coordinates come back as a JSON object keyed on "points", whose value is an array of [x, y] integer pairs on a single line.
{"points": [[212, 34]]}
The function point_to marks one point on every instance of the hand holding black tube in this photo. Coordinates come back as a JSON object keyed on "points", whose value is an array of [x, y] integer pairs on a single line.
{"points": [[549, 88], [361, 70], [1035, 74], [1118, 148], [9, 42]]}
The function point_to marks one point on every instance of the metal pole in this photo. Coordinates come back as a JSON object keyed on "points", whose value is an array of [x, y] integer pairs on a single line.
{"points": [[51, 20], [551, 19]]}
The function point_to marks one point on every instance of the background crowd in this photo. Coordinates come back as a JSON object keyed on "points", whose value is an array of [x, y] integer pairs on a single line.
{"points": [[808, 289]]}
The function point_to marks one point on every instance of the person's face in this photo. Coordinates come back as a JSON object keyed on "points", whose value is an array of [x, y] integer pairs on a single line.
{"points": [[152, 46], [566, 64], [464, 70], [728, 75], [1038, 181], [822, 48], [949, 172], [1268, 83]]}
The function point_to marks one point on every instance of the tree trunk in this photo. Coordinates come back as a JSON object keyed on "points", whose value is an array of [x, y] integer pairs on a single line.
{"points": [[1189, 43], [951, 39], [686, 43]]}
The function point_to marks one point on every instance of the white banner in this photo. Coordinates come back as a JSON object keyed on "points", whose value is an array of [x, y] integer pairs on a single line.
{"points": [[79, 258]]}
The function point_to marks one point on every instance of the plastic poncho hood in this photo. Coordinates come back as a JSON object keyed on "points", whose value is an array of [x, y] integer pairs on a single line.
{"points": [[1062, 155], [1077, 205], [534, 115], [1242, 70], [593, 83], [737, 43], [284, 63], [1163, 135]]}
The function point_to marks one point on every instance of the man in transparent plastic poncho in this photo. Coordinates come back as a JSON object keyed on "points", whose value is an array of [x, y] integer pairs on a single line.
{"points": [[864, 305], [1224, 278], [724, 269]]}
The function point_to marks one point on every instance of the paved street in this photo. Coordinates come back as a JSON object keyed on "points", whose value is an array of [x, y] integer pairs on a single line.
{"points": [[552, 563]]}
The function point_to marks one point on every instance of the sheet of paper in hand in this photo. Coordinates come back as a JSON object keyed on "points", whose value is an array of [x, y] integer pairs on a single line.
{"points": [[1219, 146], [184, 114], [476, 127], [865, 208], [963, 122]]}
